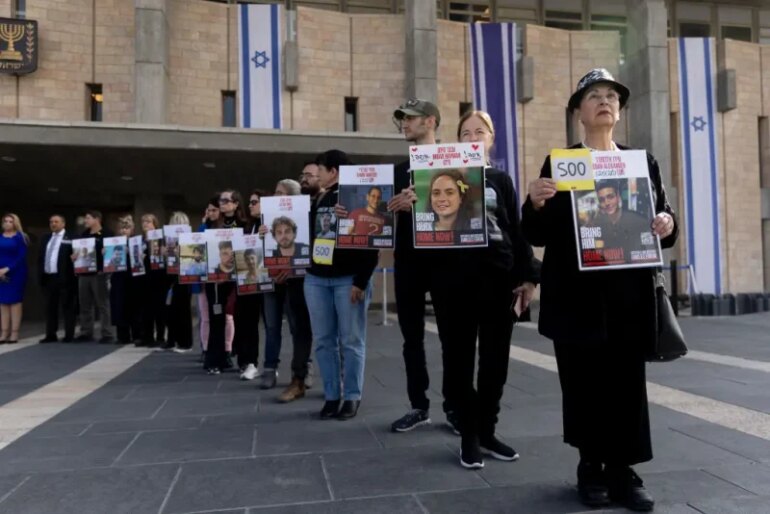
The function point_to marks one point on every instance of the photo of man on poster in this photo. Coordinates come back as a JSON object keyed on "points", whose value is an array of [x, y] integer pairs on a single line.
{"points": [[284, 231], [620, 227], [369, 220]]}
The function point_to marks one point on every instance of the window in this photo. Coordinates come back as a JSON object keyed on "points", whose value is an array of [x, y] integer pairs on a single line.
{"points": [[738, 33], [616, 23], [95, 102], [469, 11], [351, 114], [690, 29], [19, 8], [465, 107], [764, 36], [564, 20], [228, 108]]}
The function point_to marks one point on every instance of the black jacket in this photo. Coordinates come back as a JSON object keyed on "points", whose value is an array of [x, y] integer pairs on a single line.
{"points": [[359, 263], [590, 305], [65, 267], [508, 250]]}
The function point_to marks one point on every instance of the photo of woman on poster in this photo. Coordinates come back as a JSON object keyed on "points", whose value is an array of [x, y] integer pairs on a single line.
{"points": [[450, 201]]}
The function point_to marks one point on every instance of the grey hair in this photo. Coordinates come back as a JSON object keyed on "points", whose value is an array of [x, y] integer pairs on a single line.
{"points": [[292, 186], [178, 218]]}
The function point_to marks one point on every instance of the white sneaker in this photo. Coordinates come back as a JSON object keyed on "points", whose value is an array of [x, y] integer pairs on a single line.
{"points": [[250, 373]]}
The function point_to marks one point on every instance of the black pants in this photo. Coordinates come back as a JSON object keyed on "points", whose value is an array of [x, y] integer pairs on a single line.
{"points": [[412, 281], [217, 296], [60, 294], [604, 399], [246, 341], [180, 330], [156, 286], [457, 300], [495, 330]]}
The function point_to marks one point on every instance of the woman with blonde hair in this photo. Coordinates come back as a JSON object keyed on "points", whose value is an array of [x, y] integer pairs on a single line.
{"points": [[155, 290], [13, 276], [179, 318], [126, 294]]}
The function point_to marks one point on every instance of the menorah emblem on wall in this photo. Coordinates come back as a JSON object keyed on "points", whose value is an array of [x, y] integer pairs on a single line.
{"points": [[11, 34]]}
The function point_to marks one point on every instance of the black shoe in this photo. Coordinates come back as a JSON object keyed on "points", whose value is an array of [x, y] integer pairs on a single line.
{"points": [[106, 340], [349, 409], [228, 362], [453, 421], [330, 409], [139, 343], [499, 450], [411, 420], [470, 453], [84, 338], [68, 339], [592, 484], [627, 489], [47, 339], [167, 345]]}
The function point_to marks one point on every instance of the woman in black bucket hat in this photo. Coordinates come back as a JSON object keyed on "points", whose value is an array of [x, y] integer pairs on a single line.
{"points": [[601, 322]]}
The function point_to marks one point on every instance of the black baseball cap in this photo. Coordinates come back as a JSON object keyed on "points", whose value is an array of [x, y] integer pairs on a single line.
{"points": [[417, 107]]}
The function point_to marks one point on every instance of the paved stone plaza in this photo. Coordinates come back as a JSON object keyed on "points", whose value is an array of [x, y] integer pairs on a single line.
{"points": [[107, 429]]}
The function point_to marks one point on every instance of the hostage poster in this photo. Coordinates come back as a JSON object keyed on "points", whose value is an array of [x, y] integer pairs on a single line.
{"points": [[221, 255], [136, 252], [287, 242], [449, 182], [251, 275], [155, 249], [85, 255], [613, 213], [192, 258], [115, 254], [364, 192], [172, 233]]}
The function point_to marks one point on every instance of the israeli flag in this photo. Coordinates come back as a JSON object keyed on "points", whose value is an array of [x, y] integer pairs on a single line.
{"points": [[697, 77], [259, 51], [493, 63]]}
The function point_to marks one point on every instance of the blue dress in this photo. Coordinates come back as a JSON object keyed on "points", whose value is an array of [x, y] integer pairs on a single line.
{"points": [[13, 255]]}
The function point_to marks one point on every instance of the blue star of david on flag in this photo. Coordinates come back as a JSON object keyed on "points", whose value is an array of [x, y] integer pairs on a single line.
{"points": [[698, 123], [260, 59]]}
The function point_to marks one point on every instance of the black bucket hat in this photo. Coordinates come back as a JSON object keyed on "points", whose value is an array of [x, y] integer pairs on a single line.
{"points": [[595, 76]]}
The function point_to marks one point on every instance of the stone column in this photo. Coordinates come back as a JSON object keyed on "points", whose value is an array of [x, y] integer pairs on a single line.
{"points": [[421, 51], [646, 74], [151, 62]]}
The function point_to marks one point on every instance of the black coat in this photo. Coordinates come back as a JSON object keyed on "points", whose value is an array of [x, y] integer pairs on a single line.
{"points": [[590, 305], [65, 266]]}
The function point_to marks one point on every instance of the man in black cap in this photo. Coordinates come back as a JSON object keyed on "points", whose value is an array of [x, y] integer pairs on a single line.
{"points": [[418, 121]]}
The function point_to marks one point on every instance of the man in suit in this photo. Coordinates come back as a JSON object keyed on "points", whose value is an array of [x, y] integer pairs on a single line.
{"points": [[57, 277]]}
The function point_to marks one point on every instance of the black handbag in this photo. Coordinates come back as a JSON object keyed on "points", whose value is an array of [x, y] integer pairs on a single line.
{"points": [[669, 340]]}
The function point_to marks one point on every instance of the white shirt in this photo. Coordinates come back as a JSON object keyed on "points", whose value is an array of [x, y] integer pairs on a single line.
{"points": [[52, 266]]}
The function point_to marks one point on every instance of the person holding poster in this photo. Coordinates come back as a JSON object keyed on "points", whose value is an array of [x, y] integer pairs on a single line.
{"points": [[115, 254], [496, 285], [156, 284], [338, 290], [289, 297], [179, 313], [251, 278], [601, 341], [126, 291], [418, 120], [93, 290], [221, 296]]}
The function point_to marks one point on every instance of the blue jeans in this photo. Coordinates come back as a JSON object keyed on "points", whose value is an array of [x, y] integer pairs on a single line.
{"points": [[339, 327], [288, 297]]}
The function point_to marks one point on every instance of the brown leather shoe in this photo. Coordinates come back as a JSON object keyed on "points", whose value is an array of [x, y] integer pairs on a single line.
{"points": [[295, 390]]}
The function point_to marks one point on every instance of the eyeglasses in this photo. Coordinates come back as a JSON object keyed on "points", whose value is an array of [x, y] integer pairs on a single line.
{"points": [[223, 201], [306, 176], [612, 97], [253, 202]]}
